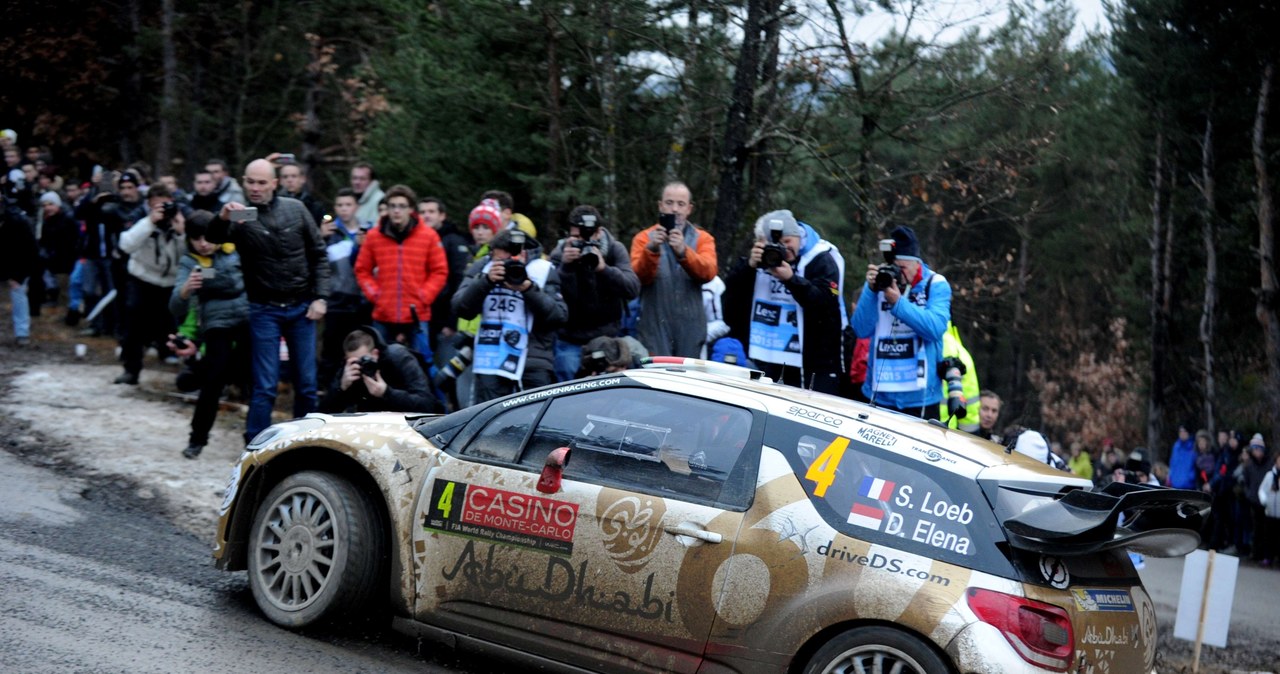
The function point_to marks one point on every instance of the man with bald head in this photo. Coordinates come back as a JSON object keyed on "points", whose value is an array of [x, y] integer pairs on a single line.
{"points": [[286, 277]]}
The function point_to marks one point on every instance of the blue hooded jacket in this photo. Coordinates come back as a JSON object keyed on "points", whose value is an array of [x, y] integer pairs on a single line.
{"points": [[929, 322]]}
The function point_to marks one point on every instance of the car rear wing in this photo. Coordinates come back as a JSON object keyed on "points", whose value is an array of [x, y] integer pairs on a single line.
{"points": [[1154, 521]]}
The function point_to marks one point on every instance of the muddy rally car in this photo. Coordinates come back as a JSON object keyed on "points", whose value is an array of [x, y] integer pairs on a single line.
{"points": [[695, 517]]}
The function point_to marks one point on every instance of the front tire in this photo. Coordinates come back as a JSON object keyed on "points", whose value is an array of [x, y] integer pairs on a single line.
{"points": [[315, 551], [876, 649]]}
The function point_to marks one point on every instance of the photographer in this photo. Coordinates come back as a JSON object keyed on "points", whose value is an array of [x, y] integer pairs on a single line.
{"points": [[788, 296], [211, 280], [597, 282], [378, 377], [516, 294], [154, 244], [904, 309], [604, 355]]}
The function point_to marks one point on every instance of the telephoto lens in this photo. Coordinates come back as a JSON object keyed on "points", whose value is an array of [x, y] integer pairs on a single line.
{"points": [[952, 371]]}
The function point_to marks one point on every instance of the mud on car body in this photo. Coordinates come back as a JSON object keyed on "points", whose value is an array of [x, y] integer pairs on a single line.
{"points": [[691, 518]]}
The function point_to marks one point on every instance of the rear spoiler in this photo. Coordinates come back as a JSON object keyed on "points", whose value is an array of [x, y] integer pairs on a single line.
{"points": [[1154, 521]]}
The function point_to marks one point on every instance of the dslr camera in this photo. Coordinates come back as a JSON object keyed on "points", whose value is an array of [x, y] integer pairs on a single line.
{"points": [[368, 366], [168, 211], [774, 253], [587, 228], [952, 370], [888, 273], [516, 274]]}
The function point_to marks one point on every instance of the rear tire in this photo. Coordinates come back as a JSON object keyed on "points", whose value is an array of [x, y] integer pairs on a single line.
{"points": [[315, 551], [879, 649]]}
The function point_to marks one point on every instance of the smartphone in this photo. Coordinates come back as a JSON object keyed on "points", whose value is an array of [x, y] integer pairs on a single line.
{"points": [[249, 214], [286, 158], [207, 272], [667, 220]]}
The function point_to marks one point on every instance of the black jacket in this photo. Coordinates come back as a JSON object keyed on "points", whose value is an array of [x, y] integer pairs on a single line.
{"points": [[815, 292], [407, 389], [282, 253], [458, 247], [545, 304], [596, 301], [18, 252], [314, 207]]}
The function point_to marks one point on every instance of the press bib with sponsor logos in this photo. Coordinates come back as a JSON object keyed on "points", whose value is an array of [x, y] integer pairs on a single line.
{"points": [[502, 340], [775, 323], [900, 365]]}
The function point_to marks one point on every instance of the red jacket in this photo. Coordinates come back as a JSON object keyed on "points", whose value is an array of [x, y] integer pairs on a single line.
{"points": [[399, 275]]}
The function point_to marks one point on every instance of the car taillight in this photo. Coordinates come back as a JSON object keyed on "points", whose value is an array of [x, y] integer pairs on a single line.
{"points": [[1041, 633]]}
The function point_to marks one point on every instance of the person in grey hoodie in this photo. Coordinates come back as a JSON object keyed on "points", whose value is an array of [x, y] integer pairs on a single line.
{"points": [[154, 244], [212, 286]]}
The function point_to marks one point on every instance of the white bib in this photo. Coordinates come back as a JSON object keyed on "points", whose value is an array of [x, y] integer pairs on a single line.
{"points": [[502, 341]]}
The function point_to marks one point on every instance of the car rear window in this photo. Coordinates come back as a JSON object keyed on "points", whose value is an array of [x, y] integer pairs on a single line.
{"points": [[876, 495]]}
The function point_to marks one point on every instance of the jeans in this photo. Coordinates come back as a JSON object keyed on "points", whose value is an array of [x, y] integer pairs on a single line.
{"points": [[568, 359], [418, 340], [267, 324], [75, 292], [21, 310]]}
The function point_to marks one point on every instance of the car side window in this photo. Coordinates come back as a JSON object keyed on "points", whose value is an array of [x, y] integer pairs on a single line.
{"points": [[649, 441], [501, 438]]}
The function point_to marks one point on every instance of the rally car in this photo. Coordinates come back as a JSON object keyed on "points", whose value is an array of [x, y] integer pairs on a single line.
{"points": [[696, 517]]}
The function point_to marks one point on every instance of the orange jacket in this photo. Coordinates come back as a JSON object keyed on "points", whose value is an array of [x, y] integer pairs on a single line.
{"points": [[700, 264], [397, 275]]}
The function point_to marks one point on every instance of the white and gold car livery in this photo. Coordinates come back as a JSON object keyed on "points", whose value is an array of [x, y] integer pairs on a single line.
{"points": [[689, 518]]}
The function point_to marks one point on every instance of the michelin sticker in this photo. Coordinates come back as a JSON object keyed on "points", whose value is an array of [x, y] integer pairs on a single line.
{"points": [[1102, 600]]}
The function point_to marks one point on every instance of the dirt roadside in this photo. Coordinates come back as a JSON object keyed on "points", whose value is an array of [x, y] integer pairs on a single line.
{"points": [[64, 413]]}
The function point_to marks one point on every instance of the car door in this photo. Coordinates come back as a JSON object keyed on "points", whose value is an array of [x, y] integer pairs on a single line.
{"points": [[617, 569]]}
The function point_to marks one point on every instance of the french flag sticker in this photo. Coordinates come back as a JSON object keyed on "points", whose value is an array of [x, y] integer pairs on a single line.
{"points": [[866, 516], [876, 489]]}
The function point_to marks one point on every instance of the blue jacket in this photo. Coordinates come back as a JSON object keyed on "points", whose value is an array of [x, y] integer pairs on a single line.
{"points": [[929, 322], [1182, 464]]}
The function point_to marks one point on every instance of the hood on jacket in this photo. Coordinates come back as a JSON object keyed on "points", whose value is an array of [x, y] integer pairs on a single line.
{"points": [[809, 239], [389, 230]]}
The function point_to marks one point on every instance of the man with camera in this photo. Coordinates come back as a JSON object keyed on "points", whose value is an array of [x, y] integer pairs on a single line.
{"points": [[154, 244], [517, 296], [673, 259], [597, 282], [286, 277], [788, 296], [904, 309], [378, 377]]}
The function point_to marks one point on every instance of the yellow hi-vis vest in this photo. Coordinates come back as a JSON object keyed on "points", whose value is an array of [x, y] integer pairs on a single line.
{"points": [[952, 347]]}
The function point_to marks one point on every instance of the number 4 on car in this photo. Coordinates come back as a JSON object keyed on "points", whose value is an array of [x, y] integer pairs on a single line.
{"points": [[692, 517]]}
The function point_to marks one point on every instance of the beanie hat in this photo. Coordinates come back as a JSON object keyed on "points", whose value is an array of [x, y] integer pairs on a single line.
{"points": [[905, 245], [128, 177], [729, 350], [1257, 441], [612, 350], [51, 198], [485, 215], [1031, 443], [775, 220]]}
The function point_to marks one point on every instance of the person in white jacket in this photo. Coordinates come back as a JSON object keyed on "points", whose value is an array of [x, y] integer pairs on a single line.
{"points": [[154, 245], [1269, 532]]}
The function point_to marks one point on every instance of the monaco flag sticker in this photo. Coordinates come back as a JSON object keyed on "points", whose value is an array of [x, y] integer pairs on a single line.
{"points": [[866, 516], [876, 488]]}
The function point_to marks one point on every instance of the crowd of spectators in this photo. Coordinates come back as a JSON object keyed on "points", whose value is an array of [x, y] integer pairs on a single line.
{"points": [[378, 300]]}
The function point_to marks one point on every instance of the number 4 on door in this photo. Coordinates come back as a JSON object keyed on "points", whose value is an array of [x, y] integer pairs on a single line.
{"points": [[822, 472]]}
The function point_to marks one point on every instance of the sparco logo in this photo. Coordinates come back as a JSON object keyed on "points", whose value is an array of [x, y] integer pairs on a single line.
{"points": [[815, 415], [878, 437]]}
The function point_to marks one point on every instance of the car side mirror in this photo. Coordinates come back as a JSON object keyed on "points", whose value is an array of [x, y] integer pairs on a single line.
{"points": [[553, 470]]}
